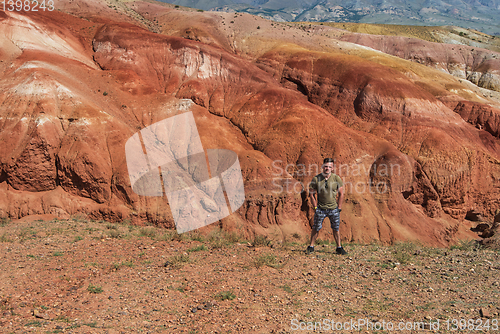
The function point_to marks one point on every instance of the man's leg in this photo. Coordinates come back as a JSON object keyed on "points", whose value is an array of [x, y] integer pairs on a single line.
{"points": [[314, 236], [319, 216], [336, 236], [335, 223], [340, 250]]}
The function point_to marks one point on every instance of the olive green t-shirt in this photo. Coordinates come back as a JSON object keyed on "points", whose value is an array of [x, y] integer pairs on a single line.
{"points": [[327, 190]]}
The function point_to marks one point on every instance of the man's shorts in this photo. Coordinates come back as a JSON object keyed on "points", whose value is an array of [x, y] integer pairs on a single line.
{"points": [[321, 214]]}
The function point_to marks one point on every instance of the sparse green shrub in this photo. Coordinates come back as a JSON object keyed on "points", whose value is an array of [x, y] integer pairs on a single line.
{"points": [[4, 221], [115, 234], [225, 295], [219, 238], [149, 232], [117, 266], [286, 288], [171, 236], [322, 242], [93, 264], [232, 237], [196, 236], [261, 241], [91, 324], [467, 245], [62, 318], [177, 261], [403, 251], [198, 248], [26, 234], [267, 260], [5, 238], [94, 288], [127, 221], [34, 323]]}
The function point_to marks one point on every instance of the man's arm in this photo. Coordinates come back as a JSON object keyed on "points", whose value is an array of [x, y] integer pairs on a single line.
{"points": [[341, 197], [312, 196]]}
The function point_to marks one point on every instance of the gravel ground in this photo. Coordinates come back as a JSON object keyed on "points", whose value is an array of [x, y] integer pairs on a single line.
{"points": [[77, 276]]}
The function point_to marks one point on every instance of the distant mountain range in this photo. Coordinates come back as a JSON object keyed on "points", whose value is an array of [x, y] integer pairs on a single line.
{"points": [[482, 15]]}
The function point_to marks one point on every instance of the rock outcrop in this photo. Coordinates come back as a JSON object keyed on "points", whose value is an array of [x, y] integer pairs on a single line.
{"points": [[449, 152], [483, 116]]}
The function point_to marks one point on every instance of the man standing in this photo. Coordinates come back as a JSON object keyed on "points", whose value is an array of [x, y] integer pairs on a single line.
{"points": [[323, 191]]}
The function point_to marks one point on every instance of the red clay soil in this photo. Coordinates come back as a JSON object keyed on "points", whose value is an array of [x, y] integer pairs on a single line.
{"points": [[78, 276]]}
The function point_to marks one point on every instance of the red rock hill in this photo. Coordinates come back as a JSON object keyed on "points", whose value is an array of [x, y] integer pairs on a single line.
{"points": [[406, 138]]}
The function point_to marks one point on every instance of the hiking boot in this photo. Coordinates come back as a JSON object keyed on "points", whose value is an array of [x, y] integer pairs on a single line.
{"points": [[309, 249], [341, 251]]}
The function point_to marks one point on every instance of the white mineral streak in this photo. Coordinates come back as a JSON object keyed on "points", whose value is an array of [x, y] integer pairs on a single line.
{"points": [[203, 65], [28, 35], [41, 87]]}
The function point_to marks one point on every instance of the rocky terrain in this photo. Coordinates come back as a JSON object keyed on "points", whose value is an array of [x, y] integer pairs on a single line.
{"points": [[442, 34], [478, 15], [78, 276], [477, 65], [417, 147]]}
